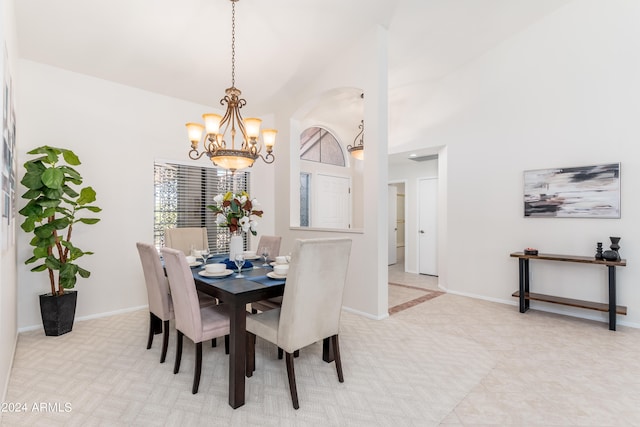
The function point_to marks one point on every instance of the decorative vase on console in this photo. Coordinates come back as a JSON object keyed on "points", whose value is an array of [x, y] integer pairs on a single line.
{"points": [[615, 246], [599, 251]]}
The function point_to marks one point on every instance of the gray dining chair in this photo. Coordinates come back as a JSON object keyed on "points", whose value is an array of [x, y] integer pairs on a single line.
{"points": [[197, 323], [186, 238], [273, 243], [158, 296], [311, 305]]}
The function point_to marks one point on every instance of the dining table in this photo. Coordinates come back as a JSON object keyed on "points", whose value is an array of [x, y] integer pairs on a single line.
{"points": [[236, 293]]}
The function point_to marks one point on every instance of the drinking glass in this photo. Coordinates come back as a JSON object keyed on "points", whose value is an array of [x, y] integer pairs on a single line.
{"points": [[205, 255], [239, 260], [264, 252]]}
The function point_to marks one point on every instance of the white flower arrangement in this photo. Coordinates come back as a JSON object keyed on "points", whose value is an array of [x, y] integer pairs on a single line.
{"points": [[234, 211]]}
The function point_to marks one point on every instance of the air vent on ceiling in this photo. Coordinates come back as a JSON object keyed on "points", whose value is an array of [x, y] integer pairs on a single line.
{"points": [[424, 158]]}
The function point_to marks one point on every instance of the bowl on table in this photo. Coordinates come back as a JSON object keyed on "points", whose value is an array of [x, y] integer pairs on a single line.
{"points": [[215, 268], [281, 269]]}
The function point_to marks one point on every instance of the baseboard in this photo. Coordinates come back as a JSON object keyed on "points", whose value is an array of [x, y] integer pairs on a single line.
{"points": [[363, 314], [89, 317]]}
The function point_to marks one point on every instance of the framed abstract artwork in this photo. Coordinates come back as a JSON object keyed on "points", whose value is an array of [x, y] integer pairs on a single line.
{"points": [[575, 192]]}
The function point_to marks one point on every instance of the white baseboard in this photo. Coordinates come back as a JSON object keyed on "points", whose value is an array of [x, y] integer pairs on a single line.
{"points": [[89, 317], [363, 314]]}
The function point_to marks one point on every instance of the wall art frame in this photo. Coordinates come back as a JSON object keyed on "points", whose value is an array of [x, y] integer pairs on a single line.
{"points": [[573, 192]]}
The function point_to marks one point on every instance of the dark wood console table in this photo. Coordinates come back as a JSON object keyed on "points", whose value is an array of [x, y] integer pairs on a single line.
{"points": [[525, 296]]}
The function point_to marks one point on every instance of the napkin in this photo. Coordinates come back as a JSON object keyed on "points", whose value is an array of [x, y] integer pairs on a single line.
{"points": [[232, 265]]}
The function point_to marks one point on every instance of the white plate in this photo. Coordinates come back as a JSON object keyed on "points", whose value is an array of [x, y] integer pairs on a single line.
{"points": [[195, 264], [249, 258], [273, 275], [273, 264], [221, 274]]}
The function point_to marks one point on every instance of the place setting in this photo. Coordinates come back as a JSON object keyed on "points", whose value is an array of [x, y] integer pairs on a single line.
{"points": [[215, 270], [280, 268]]}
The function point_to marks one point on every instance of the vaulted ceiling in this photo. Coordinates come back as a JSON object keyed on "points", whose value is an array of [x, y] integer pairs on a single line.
{"points": [[183, 48]]}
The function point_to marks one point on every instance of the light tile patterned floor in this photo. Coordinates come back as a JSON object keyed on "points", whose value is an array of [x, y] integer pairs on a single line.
{"points": [[447, 361]]}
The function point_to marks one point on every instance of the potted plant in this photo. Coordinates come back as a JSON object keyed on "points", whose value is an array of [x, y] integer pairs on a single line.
{"points": [[53, 209]]}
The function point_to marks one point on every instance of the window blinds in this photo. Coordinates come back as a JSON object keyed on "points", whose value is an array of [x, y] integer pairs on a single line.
{"points": [[181, 196]]}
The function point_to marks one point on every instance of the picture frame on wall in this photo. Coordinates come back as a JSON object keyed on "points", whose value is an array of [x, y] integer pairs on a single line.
{"points": [[573, 192]]}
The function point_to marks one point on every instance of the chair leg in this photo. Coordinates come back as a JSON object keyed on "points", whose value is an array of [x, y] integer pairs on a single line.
{"points": [[292, 380], [251, 354], [214, 342], [165, 342], [296, 353], [336, 353], [179, 336], [198, 368], [280, 353], [155, 327], [226, 344]]}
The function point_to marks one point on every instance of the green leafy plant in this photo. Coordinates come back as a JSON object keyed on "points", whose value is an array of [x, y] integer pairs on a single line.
{"points": [[53, 209]]}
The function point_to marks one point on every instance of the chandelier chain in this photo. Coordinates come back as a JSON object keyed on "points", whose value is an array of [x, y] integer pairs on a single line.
{"points": [[233, 43]]}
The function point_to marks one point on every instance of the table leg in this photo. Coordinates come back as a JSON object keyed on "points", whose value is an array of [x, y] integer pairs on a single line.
{"points": [[612, 297], [327, 350], [521, 284], [526, 283], [237, 354]]}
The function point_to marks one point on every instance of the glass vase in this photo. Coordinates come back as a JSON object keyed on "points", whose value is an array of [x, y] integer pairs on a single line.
{"points": [[236, 245]]}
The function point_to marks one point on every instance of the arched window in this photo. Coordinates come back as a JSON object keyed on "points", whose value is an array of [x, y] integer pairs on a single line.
{"points": [[319, 145]]}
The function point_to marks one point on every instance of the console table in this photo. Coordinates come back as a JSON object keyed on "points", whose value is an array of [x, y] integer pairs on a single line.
{"points": [[525, 296]]}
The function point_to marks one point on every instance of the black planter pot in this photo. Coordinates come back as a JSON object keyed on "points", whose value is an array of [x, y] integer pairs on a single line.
{"points": [[58, 312]]}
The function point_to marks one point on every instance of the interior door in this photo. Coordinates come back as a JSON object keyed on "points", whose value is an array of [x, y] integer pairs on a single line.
{"points": [[427, 227], [333, 202], [392, 224]]}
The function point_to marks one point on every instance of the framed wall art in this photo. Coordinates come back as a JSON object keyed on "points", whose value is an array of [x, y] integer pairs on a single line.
{"points": [[574, 192]]}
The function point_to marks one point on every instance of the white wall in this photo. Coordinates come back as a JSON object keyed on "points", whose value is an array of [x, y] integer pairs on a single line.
{"points": [[118, 132], [363, 66], [8, 294], [563, 92]]}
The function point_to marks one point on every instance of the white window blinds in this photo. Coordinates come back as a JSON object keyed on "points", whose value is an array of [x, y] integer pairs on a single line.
{"points": [[181, 195]]}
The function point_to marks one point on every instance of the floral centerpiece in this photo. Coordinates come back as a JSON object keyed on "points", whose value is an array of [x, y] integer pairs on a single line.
{"points": [[234, 211]]}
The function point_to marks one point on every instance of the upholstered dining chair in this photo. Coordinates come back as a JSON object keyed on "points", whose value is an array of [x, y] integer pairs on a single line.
{"points": [[160, 304], [186, 238], [273, 243], [197, 323], [311, 305]]}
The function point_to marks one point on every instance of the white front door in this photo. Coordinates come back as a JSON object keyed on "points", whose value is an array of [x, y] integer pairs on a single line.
{"points": [[393, 223], [427, 226], [333, 202]]}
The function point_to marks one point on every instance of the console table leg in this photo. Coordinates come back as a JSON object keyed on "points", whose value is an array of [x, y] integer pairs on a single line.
{"points": [[526, 283], [612, 297], [522, 267]]}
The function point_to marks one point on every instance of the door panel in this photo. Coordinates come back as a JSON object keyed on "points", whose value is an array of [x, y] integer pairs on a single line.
{"points": [[392, 224], [427, 227], [333, 207]]}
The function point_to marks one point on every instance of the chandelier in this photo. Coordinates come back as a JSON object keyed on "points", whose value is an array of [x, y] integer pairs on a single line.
{"points": [[357, 149], [217, 129]]}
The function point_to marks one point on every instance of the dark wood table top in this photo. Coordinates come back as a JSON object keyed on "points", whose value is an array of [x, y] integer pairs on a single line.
{"points": [[570, 258]]}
